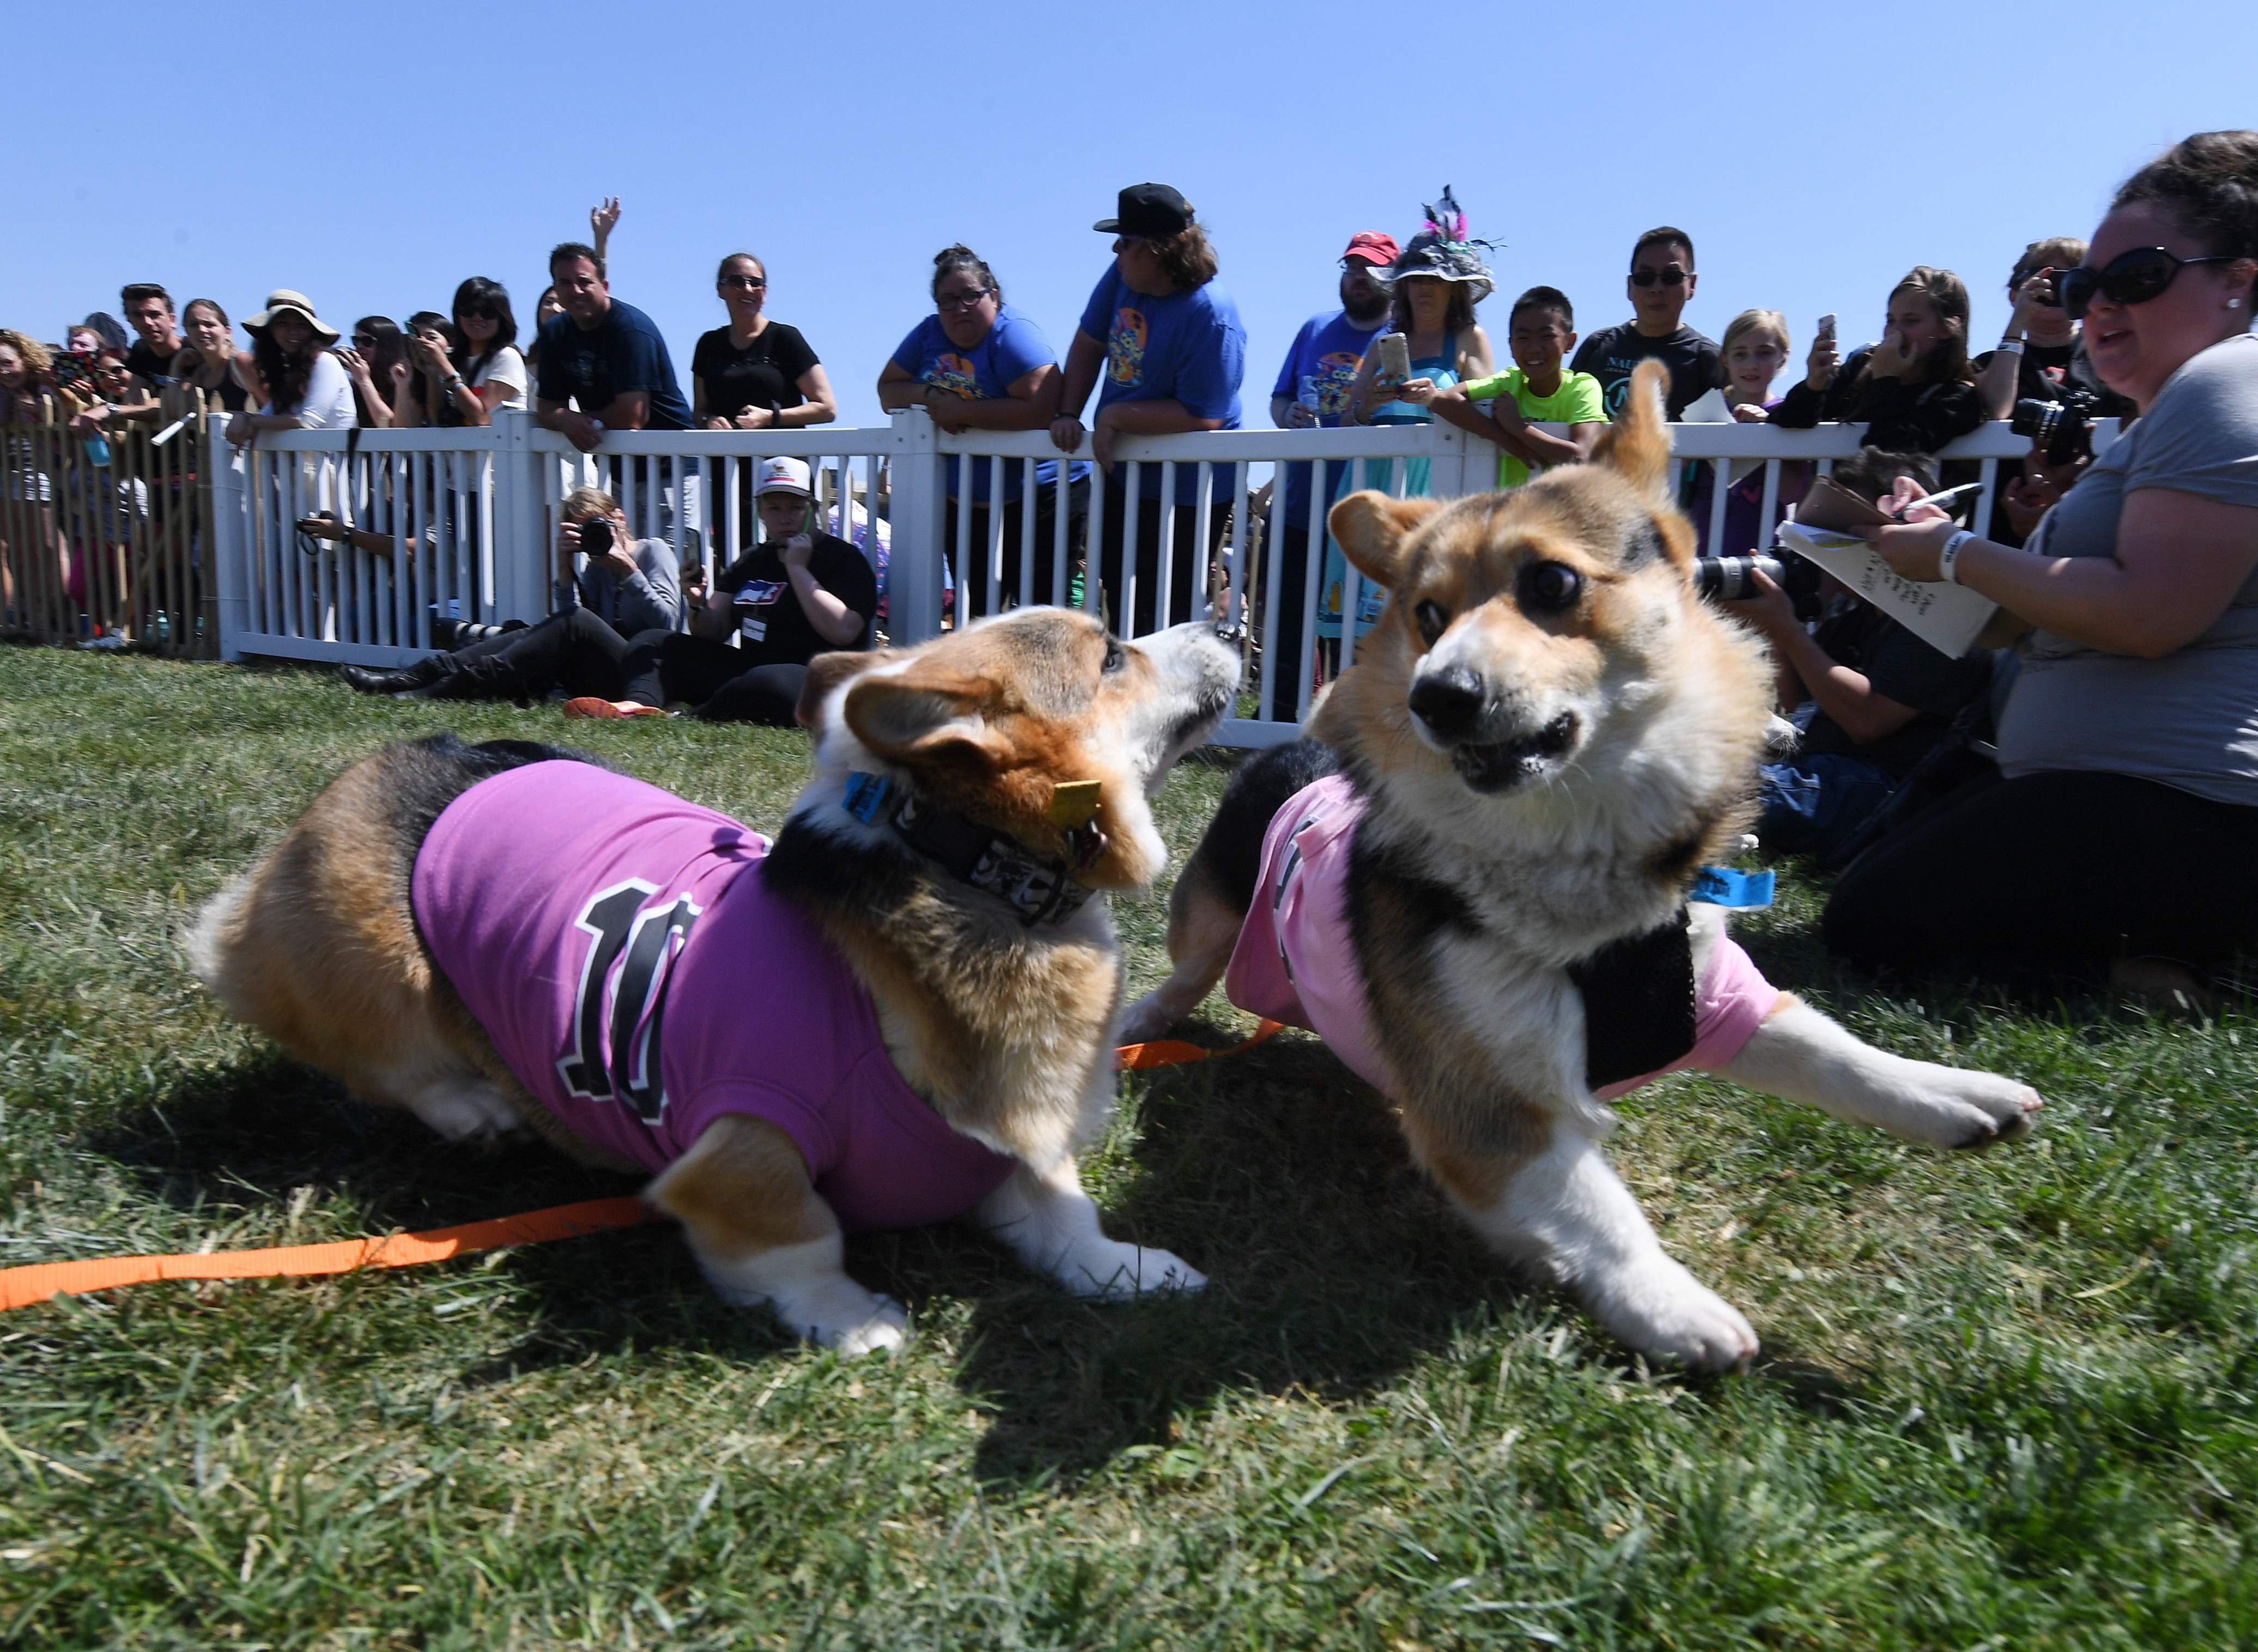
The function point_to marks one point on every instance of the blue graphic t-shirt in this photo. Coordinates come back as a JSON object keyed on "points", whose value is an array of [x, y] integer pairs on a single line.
{"points": [[1329, 349], [1013, 348], [1189, 347]]}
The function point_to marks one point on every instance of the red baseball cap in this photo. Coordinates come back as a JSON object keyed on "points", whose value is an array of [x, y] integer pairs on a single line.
{"points": [[1374, 246]]}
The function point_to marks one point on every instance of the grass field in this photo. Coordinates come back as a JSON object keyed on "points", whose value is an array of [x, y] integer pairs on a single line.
{"points": [[2007, 1400]]}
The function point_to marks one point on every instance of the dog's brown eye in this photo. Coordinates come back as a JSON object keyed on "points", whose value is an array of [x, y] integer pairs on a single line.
{"points": [[1432, 621], [1548, 587], [1116, 656]]}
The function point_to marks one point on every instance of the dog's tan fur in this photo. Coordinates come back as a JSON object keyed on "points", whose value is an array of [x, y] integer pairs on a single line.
{"points": [[1002, 1029], [1614, 751]]}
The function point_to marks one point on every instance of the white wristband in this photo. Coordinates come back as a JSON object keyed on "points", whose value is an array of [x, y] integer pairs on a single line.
{"points": [[1948, 560], [2010, 347]]}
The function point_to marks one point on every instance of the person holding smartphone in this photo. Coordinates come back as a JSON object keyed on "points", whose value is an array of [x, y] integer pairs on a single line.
{"points": [[1914, 391]]}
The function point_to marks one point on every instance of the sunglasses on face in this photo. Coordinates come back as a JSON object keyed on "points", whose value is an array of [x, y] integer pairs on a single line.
{"points": [[364, 341], [963, 300], [2133, 277], [750, 283], [1669, 275]]}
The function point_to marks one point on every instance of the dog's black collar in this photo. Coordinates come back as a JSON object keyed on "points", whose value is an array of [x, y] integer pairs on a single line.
{"points": [[1038, 891]]}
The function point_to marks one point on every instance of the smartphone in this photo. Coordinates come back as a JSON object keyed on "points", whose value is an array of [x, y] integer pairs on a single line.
{"points": [[1827, 327]]}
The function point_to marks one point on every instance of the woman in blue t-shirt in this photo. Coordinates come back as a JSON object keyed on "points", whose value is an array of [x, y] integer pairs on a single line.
{"points": [[976, 363], [1166, 340]]}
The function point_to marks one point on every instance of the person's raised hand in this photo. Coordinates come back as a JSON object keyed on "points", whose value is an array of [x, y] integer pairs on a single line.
{"points": [[354, 363], [401, 372], [619, 561], [1893, 358], [1822, 363], [797, 551], [2034, 294], [429, 354], [603, 216]]}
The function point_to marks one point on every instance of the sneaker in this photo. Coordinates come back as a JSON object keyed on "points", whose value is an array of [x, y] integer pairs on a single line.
{"points": [[594, 705]]}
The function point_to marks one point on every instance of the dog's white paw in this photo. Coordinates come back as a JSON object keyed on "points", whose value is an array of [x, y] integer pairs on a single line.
{"points": [[1146, 1019], [840, 1314], [1658, 1308], [1953, 1107], [1110, 1272], [466, 1109]]}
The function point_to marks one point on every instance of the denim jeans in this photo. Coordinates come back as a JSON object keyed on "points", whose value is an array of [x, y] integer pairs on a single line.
{"points": [[1813, 805]]}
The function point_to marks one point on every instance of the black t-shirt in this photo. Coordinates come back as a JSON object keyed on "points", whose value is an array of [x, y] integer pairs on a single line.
{"points": [[1613, 353], [1903, 668], [147, 366], [772, 628], [622, 353], [765, 374]]}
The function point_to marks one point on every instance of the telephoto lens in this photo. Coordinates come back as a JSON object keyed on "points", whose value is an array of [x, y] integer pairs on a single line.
{"points": [[1728, 579]]}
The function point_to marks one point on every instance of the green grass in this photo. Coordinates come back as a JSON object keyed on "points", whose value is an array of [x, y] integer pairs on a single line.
{"points": [[2005, 1401]]}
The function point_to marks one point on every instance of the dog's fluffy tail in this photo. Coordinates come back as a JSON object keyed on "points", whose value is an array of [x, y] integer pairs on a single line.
{"points": [[211, 940]]}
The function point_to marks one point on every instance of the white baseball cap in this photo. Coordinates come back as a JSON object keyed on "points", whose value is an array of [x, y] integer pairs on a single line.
{"points": [[784, 475]]}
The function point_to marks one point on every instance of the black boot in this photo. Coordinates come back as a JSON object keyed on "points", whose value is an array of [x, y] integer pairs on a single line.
{"points": [[423, 674], [489, 677]]}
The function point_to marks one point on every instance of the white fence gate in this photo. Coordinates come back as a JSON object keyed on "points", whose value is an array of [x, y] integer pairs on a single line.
{"points": [[469, 518]]}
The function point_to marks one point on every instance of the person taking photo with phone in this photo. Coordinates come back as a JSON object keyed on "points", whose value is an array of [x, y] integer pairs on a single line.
{"points": [[1914, 390]]}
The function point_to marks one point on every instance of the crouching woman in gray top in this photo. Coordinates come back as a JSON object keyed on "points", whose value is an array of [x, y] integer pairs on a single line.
{"points": [[2122, 835]]}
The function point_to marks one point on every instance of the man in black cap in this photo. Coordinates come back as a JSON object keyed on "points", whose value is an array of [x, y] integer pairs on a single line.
{"points": [[1174, 351]]}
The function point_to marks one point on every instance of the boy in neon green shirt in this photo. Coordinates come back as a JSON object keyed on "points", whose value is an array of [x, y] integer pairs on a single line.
{"points": [[1541, 332]]}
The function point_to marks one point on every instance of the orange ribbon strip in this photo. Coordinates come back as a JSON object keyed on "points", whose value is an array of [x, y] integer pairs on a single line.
{"points": [[21, 1286]]}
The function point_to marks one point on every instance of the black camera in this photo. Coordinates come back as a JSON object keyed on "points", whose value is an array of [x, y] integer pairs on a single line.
{"points": [[2064, 428], [1728, 579], [596, 536]]}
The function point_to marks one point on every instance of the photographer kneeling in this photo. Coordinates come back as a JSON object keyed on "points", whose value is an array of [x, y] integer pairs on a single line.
{"points": [[2125, 826], [627, 590], [1881, 696]]}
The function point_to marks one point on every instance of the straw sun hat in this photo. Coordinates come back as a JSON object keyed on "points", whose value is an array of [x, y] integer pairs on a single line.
{"points": [[283, 301]]}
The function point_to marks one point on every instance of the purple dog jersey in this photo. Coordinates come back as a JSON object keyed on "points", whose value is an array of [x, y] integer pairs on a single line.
{"points": [[639, 976], [1293, 961]]}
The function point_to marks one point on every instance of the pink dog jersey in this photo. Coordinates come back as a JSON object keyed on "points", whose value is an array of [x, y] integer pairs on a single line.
{"points": [[638, 975], [1293, 961]]}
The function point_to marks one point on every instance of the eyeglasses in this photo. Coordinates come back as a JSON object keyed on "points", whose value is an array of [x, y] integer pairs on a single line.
{"points": [[963, 300], [750, 283], [1669, 275], [2130, 278]]}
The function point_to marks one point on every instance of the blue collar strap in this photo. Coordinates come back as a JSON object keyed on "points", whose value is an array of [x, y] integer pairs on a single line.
{"points": [[1723, 886]]}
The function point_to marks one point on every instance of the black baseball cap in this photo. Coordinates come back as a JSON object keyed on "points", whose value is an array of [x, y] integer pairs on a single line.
{"points": [[1153, 210]]}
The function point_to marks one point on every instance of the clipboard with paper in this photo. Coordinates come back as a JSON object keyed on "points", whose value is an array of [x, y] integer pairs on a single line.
{"points": [[1947, 618]]}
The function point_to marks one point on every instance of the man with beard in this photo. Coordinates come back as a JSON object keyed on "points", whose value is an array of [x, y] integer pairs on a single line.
{"points": [[1312, 389]]}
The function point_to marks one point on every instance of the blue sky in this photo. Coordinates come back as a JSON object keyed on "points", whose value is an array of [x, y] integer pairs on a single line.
{"points": [[373, 156]]}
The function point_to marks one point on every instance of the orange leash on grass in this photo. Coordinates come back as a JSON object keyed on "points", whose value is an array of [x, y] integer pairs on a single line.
{"points": [[21, 1286]]}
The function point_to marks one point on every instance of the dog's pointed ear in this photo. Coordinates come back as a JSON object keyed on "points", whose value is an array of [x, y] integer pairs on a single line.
{"points": [[1636, 446], [924, 714], [1372, 529], [825, 673]]}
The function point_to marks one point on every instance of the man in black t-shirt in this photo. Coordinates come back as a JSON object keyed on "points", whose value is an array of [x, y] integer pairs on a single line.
{"points": [[1661, 281], [149, 309]]}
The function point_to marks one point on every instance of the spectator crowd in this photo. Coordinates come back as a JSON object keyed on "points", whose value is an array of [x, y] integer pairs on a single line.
{"points": [[2125, 712]]}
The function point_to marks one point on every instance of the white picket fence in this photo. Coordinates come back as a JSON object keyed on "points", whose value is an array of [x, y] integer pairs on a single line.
{"points": [[472, 518]]}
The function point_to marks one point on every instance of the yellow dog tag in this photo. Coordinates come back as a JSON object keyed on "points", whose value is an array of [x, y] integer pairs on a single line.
{"points": [[1074, 803]]}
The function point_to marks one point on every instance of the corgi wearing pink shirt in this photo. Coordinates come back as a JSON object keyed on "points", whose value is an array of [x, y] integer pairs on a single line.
{"points": [[1474, 881]]}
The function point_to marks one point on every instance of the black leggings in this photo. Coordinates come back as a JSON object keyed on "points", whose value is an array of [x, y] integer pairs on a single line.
{"points": [[578, 653], [2054, 874]]}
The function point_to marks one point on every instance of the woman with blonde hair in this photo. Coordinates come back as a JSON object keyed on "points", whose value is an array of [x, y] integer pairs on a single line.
{"points": [[27, 397], [1915, 390]]}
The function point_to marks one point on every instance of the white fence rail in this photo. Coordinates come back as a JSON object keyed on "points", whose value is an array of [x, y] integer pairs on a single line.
{"points": [[469, 517]]}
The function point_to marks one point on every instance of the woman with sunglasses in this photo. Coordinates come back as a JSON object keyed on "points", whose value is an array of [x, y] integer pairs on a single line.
{"points": [[2124, 827], [976, 363], [377, 365], [753, 373], [1914, 391], [472, 368]]}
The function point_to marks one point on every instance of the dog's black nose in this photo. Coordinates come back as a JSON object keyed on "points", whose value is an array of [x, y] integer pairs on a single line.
{"points": [[1448, 701]]}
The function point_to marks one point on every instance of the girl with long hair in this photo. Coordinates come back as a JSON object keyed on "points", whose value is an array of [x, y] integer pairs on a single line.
{"points": [[1914, 391]]}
